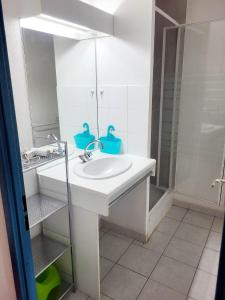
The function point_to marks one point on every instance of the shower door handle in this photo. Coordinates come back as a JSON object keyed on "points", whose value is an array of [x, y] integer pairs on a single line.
{"points": [[218, 180]]}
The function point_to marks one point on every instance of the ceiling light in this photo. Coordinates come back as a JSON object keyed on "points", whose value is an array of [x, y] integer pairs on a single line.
{"points": [[55, 26]]}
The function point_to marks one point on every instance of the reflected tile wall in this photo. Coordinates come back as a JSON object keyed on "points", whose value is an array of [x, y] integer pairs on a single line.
{"points": [[127, 108]]}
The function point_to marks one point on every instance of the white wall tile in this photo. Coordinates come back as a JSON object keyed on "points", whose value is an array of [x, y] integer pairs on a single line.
{"points": [[103, 114], [137, 144], [113, 97], [76, 106], [138, 119], [113, 111], [138, 97], [118, 118]]}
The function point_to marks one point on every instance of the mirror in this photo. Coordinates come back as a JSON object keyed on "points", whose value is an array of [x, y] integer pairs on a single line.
{"points": [[61, 81]]}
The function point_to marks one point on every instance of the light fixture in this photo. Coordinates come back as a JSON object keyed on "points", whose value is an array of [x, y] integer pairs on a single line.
{"points": [[72, 19], [51, 25]]}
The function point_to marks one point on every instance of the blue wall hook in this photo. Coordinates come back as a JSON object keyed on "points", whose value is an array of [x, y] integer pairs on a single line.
{"points": [[82, 139], [112, 144]]}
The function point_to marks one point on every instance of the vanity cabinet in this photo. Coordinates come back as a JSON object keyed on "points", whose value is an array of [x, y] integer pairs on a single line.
{"points": [[93, 199]]}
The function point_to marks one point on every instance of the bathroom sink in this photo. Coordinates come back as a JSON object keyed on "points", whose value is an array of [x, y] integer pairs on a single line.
{"points": [[102, 168]]}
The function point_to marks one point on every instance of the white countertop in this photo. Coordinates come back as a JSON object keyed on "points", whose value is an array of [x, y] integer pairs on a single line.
{"points": [[108, 189]]}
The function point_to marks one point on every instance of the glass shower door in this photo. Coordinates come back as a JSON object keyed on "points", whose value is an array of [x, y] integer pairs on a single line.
{"points": [[200, 113]]}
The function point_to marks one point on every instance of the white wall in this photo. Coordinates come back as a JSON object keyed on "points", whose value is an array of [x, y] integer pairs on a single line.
{"points": [[16, 61], [204, 10], [124, 75], [17, 69], [109, 6], [124, 64]]}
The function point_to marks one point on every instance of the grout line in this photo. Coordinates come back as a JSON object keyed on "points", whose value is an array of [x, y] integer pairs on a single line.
{"points": [[172, 219], [113, 264], [185, 222], [160, 259], [200, 258], [188, 210], [181, 220], [184, 263], [127, 268], [179, 238], [163, 254], [107, 296], [203, 213], [207, 272], [108, 259], [119, 235]]}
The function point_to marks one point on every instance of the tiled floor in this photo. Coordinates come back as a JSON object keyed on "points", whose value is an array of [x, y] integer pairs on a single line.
{"points": [[179, 262]]}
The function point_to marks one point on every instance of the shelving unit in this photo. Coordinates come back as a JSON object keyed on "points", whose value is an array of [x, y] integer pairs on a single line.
{"points": [[39, 162], [61, 291], [45, 250], [40, 207]]}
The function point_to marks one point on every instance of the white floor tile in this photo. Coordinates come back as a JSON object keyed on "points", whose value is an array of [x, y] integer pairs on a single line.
{"points": [[140, 260], [76, 296], [112, 247], [184, 251], [168, 226], [198, 219], [203, 287], [209, 261], [103, 297], [193, 234], [105, 266], [176, 275], [157, 242], [128, 239], [156, 291], [122, 284], [218, 225], [214, 241], [176, 213]]}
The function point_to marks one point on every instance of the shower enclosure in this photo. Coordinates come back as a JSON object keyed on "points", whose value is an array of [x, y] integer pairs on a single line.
{"points": [[191, 135]]}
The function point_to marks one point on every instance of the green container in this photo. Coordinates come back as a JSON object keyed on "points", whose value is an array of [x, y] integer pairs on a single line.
{"points": [[47, 282]]}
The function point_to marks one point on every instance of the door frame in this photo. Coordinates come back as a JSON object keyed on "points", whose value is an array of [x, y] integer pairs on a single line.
{"points": [[220, 286], [11, 182]]}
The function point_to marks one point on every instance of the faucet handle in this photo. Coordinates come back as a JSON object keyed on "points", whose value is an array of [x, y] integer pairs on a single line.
{"points": [[89, 154], [52, 136], [218, 180]]}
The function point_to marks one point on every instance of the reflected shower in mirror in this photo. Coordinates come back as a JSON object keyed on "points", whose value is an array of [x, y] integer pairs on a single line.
{"points": [[61, 83]]}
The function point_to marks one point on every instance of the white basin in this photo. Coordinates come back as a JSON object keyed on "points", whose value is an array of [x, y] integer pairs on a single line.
{"points": [[102, 168]]}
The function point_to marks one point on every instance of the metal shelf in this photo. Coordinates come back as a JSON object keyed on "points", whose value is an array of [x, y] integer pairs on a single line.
{"points": [[40, 207], [60, 292], [46, 252], [40, 161]]}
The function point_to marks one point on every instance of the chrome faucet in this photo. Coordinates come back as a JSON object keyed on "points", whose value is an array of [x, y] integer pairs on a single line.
{"points": [[53, 137], [86, 156]]}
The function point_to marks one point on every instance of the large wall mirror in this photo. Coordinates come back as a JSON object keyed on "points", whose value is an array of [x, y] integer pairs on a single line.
{"points": [[61, 81]]}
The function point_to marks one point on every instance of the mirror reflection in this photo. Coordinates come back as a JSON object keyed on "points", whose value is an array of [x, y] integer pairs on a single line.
{"points": [[61, 79]]}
